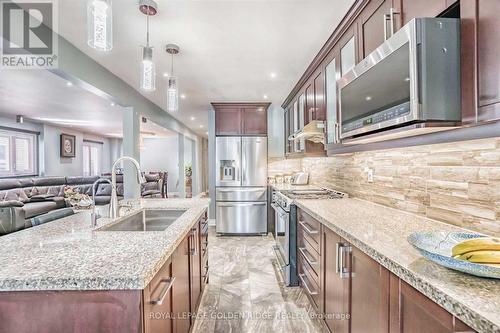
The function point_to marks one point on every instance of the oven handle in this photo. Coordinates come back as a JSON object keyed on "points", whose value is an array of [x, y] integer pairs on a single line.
{"points": [[279, 210], [281, 263]]}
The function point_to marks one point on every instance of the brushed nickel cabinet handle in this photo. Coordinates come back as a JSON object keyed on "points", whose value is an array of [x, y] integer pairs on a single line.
{"points": [[308, 258], [309, 291], [307, 229], [169, 282]]}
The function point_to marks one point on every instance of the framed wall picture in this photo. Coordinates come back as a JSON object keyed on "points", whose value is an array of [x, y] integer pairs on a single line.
{"points": [[68, 143]]}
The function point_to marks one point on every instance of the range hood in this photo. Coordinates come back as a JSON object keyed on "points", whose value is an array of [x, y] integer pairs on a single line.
{"points": [[314, 131]]}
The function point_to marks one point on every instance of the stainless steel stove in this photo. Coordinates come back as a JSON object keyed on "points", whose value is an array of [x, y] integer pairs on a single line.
{"points": [[285, 217]]}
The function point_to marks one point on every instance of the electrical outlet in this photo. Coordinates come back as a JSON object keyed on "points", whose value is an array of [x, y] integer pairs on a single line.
{"points": [[370, 175]]}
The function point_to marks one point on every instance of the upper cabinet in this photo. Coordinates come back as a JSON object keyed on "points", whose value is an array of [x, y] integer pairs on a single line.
{"points": [[374, 26], [480, 61], [332, 116], [240, 118]]}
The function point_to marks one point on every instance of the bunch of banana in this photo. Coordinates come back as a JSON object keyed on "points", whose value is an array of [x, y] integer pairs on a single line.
{"points": [[483, 250]]}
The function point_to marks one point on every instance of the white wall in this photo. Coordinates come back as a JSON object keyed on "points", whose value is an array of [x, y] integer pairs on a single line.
{"points": [[49, 161], [162, 154]]}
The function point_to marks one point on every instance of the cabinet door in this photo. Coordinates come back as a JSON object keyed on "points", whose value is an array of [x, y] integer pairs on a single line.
{"points": [[181, 297], [309, 102], [373, 27], [302, 109], [331, 78], [411, 311], [228, 121], [335, 287], [319, 97], [158, 301], [287, 131], [488, 59], [410, 9], [348, 50], [369, 294], [254, 120], [195, 266]]}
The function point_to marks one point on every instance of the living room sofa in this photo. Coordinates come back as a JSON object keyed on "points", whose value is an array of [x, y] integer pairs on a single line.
{"points": [[23, 199]]}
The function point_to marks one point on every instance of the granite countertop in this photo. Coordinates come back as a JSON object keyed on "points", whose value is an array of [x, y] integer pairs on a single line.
{"points": [[289, 187], [381, 233], [68, 254]]}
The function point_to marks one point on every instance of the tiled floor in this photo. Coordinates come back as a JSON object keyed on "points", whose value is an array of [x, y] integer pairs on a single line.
{"points": [[244, 293]]}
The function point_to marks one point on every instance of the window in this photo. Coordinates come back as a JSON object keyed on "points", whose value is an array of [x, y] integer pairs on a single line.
{"points": [[18, 153], [92, 158]]}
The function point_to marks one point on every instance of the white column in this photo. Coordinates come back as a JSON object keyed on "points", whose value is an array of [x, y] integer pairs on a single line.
{"points": [[131, 142], [182, 176]]}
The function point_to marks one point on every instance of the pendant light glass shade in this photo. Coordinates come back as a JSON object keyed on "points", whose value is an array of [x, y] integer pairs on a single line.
{"points": [[172, 94], [100, 25], [148, 73]]}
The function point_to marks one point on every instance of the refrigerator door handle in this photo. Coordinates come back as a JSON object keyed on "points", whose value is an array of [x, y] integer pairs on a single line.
{"points": [[243, 163], [240, 204]]}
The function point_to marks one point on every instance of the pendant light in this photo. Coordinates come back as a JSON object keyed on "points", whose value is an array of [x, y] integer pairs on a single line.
{"points": [[148, 73], [172, 88], [100, 25]]}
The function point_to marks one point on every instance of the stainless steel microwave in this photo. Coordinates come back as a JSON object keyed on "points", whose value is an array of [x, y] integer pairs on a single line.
{"points": [[412, 78]]}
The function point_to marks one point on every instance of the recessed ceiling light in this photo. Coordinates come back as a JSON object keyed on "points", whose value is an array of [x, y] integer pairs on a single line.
{"points": [[112, 104], [206, 132], [272, 75], [201, 126], [165, 74], [192, 118], [183, 96], [265, 97], [368, 98], [69, 83]]}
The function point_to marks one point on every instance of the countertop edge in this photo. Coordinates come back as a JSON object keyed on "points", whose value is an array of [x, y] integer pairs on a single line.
{"points": [[463, 312]]}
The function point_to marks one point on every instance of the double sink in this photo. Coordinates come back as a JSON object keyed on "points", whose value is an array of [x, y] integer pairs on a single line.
{"points": [[146, 220]]}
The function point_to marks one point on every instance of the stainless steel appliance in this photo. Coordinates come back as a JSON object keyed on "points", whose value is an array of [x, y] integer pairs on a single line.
{"points": [[286, 226], [411, 81], [241, 192]]}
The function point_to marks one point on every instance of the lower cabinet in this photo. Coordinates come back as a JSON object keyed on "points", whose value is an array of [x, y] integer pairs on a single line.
{"points": [[356, 294], [175, 291]]}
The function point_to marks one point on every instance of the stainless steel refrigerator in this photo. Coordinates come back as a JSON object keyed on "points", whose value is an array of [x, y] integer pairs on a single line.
{"points": [[241, 180]]}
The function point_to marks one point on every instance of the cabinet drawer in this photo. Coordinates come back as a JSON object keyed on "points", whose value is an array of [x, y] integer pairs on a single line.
{"points": [[310, 230], [309, 253], [309, 282]]}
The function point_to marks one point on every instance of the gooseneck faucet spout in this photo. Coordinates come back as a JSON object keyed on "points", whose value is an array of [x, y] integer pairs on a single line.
{"points": [[94, 215], [113, 205]]}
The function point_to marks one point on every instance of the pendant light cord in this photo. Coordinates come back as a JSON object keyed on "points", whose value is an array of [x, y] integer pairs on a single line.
{"points": [[172, 65]]}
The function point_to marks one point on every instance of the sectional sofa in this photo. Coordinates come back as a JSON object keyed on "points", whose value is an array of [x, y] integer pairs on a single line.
{"points": [[24, 199]]}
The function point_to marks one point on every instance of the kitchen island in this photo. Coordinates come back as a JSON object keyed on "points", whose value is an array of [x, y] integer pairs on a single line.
{"points": [[66, 267]]}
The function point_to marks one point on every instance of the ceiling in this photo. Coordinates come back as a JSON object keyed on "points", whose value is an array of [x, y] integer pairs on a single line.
{"points": [[228, 48], [46, 98]]}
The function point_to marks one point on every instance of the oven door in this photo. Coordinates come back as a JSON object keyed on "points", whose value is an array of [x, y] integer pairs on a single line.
{"points": [[281, 234]]}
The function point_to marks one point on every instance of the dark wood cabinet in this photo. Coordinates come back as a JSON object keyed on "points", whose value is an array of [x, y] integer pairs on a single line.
{"points": [[228, 121], [373, 26], [336, 287], [287, 130], [356, 294], [181, 289], [309, 92], [158, 301], [410, 9], [369, 294], [411, 311], [480, 30], [254, 120], [204, 250], [240, 118]]}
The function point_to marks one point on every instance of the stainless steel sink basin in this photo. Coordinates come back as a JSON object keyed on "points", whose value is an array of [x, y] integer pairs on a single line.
{"points": [[146, 220]]}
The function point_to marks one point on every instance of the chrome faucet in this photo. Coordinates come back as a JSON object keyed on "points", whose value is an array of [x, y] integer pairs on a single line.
{"points": [[94, 216], [113, 205]]}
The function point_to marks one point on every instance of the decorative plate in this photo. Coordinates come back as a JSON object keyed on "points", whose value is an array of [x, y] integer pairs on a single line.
{"points": [[436, 246]]}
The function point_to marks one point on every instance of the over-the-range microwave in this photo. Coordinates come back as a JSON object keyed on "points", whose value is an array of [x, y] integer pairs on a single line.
{"points": [[412, 79]]}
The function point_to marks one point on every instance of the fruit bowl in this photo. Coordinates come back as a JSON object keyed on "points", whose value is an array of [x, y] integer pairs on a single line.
{"points": [[437, 246]]}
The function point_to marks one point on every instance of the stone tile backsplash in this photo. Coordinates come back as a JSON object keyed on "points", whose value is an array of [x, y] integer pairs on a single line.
{"points": [[457, 183]]}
